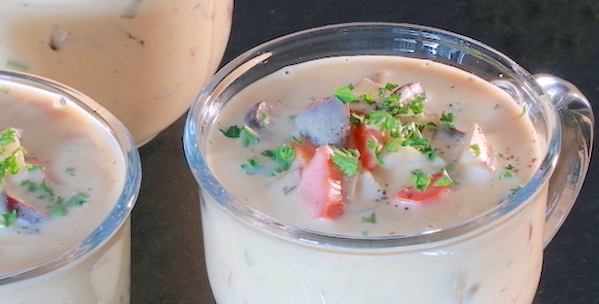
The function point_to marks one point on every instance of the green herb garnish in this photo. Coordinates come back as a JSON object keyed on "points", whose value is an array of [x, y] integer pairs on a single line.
{"points": [[232, 132], [420, 180], [376, 147], [346, 160], [371, 219], [252, 166], [524, 110], [383, 121], [29, 185], [17, 65], [8, 136], [514, 189], [263, 117], [70, 171], [475, 149], [283, 157], [508, 172], [345, 94], [444, 180], [246, 134], [447, 120], [8, 218], [75, 200]]}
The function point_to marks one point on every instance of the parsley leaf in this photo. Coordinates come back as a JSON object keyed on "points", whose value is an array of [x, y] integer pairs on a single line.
{"points": [[447, 120], [344, 94], [475, 149], [383, 121], [420, 180], [283, 156], [367, 98], [8, 136], [346, 160], [445, 179], [248, 136], [371, 219], [232, 131], [508, 172], [252, 166], [9, 218], [376, 147], [263, 117]]}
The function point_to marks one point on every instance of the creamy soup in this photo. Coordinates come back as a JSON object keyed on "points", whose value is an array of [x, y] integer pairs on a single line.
{"points": [[143, 60], [71, 173], [455, 147]]}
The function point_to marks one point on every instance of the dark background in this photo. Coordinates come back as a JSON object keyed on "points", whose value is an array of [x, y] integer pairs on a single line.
{"points": [[550, 36]]}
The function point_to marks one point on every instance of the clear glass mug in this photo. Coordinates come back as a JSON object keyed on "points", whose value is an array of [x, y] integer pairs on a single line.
{"points": [[449, 265], [97, 268], [142, 60]]}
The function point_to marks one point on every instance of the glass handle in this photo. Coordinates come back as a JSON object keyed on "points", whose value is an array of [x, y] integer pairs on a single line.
{"points": [[577, 120]]}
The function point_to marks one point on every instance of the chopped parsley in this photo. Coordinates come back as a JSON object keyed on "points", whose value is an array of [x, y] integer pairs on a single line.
{"points": [[17, 65], [30, 185], [232, 132], [14, 157], [346, 160], [8, 218], [514, 189], [376, 148], [524, 110], [386, 89], [508, 172], [262, 117], [444, 179], [10, 165], [283, 156], [420, 180], [447, 120], [246, 134], [7, 136], [76, 200], [370, 219], [70, 171], [345, 94], [252, 166], [475, 149], [384, 121]]}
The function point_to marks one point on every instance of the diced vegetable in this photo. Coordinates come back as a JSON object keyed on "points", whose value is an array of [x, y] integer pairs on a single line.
{"points": [[369, 142], [321, 185], [365, 189]]}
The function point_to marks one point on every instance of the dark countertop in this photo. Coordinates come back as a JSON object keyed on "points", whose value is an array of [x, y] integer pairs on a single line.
{"points": [[550, 36]]}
